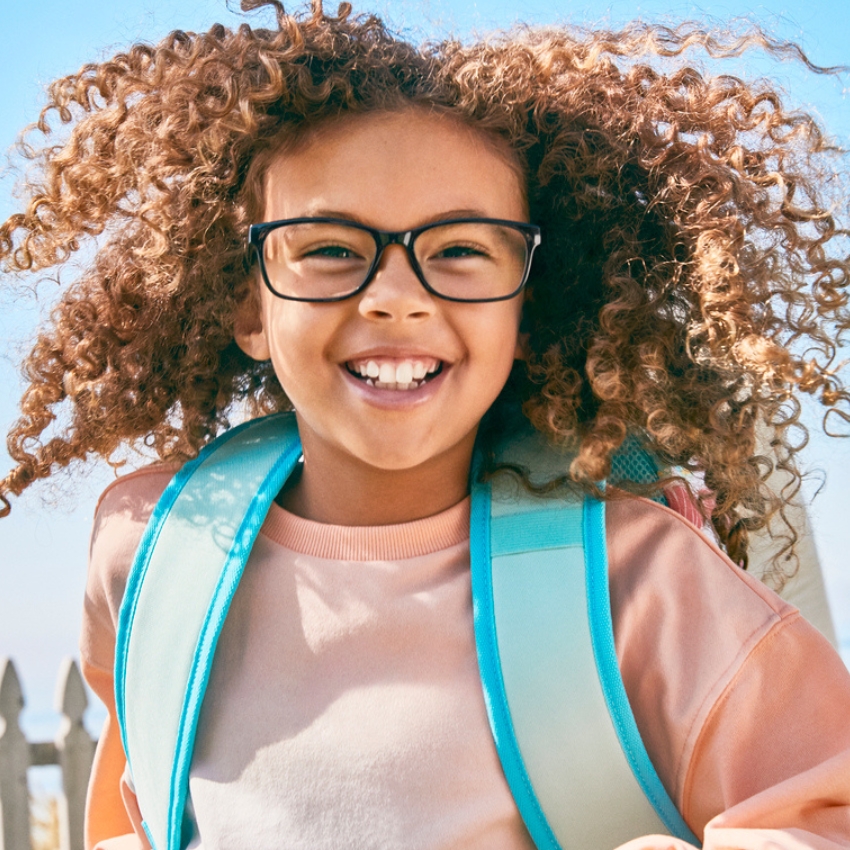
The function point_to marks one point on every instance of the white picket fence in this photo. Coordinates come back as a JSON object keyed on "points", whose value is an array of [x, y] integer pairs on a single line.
{"points": [[72, 750]]}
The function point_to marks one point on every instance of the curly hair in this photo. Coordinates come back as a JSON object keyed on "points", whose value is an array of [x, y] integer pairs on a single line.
{"points": [[691, 285]]}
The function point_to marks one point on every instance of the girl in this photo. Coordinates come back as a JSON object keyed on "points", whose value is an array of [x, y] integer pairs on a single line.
{"points": [[320, 217]]}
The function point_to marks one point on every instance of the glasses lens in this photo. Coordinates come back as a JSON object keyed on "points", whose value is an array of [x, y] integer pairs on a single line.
{"points": [[317, 259], [472, 260]]}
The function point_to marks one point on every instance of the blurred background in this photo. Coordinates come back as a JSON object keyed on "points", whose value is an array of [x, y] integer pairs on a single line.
{"points": [[43, 544]]}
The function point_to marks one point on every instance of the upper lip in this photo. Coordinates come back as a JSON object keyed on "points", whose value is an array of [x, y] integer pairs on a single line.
{"points": [[392, 353]]}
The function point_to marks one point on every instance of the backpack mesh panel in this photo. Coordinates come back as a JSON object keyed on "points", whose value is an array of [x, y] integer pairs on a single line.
{"points": [[632, 462]]}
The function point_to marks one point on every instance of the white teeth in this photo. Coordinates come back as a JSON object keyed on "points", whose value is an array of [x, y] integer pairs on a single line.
{"points": [[406, 375]]}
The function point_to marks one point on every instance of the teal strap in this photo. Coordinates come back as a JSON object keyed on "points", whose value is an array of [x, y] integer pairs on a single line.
{"points": [[558, 733], [604, 652], [179, 590], [489, 662]]}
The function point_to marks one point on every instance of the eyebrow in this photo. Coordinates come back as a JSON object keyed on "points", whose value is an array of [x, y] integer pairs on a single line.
{"points": [[443, 215]]}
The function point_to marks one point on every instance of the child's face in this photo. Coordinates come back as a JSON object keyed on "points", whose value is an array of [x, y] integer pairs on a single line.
{"points": [[395, 172]]}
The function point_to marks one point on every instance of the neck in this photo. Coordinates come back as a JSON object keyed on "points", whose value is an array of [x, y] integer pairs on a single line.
{"points": [[338, 489]]}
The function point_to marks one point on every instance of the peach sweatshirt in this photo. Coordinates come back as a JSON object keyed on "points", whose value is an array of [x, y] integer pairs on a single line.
{"points": [[345, 709]]}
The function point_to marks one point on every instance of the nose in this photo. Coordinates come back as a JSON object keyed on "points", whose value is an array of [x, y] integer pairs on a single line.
{"points": [[395, 292]]}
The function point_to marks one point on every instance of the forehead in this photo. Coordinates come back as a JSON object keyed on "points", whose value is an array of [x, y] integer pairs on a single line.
{"points": [[395, 170]]}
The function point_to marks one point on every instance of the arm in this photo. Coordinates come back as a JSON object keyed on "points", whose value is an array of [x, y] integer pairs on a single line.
{"points": [[109, 825], [778, 743], [774, 755], [112, 816]]}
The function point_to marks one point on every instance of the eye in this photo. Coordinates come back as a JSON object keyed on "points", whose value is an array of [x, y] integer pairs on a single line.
{"points": [[458, 241], [457, 252], [337, 251], [332, 252]]}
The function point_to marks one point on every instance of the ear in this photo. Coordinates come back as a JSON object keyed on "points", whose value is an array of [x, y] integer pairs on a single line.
{"points": [[248, 330]]}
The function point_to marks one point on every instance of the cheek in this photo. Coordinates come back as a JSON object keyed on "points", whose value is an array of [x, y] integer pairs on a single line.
{"points": [[294, 339], [498, 338], [506, 331]]}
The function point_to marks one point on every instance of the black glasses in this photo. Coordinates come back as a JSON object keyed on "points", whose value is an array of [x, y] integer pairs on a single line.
{"points": [[329, 259]]}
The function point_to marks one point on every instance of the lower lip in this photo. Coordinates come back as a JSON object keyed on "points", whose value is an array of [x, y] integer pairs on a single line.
{"points": [[397, 399]]}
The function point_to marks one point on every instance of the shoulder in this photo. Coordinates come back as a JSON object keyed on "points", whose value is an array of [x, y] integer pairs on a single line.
{"points": [[650, 545], [137, 490], [674, 592], [122, 514]]}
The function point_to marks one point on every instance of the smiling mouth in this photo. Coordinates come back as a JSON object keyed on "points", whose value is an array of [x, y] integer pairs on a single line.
{"points": [[409, 374]]}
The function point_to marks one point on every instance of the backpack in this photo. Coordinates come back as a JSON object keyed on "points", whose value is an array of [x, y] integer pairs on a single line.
{"points": [[561, 721]]}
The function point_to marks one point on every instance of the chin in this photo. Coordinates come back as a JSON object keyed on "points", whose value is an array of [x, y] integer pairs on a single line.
{"points": [[380, 455]]}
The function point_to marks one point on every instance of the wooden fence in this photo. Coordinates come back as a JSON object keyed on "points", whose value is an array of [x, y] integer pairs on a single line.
{"points": [[72, 750]]}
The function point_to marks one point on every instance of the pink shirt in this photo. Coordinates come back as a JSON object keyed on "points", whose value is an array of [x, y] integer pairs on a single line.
{"points": [[345, 707]]}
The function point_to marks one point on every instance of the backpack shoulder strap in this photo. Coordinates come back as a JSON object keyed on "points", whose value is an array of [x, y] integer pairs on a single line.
{"points": [[566, 736], [184, 575]]}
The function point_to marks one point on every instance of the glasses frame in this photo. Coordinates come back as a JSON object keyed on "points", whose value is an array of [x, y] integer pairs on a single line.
{"points": [[257, 234]]}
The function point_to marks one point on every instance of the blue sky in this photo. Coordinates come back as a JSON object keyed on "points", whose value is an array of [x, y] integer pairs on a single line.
{"points": [[43, 545]]}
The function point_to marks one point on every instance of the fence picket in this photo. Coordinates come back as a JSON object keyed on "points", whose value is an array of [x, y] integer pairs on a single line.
{"points": [[75, 751], [72, 750], [14, 761]]}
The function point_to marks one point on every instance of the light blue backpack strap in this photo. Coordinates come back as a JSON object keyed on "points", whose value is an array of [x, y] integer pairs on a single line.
{"points": [[564, 730], [185, 573]]}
